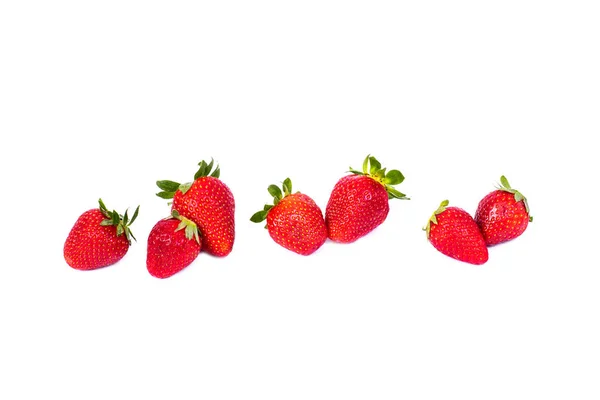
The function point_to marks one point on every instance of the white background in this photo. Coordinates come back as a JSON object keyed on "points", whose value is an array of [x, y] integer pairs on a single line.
{"points": [[101, 99]]}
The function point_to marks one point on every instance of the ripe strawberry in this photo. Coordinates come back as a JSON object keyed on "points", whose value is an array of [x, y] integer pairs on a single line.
{"points": [[209, 203], [359, 203], [99, 238], [503, 214], [294, 221], [173, 244], [454, 233]]}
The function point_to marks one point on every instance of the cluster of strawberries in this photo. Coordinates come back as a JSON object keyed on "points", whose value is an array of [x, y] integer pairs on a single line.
{"points": [[202, 219], [358, 204], [501, 215]]}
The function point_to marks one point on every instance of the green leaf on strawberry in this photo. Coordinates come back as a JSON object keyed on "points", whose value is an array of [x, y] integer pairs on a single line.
{"points": [[275, 192], [191, 229], [121, 222], [372, 168], [505, 186], [433, 218], [287, 186], [278, 195], [168, 188]]}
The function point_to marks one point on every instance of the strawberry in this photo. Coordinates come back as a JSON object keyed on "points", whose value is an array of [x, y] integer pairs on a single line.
{"points": [[173, 244], [209, 203], [294, 221], [99, 238], [503, 214], [359, 202], [453, 232]]}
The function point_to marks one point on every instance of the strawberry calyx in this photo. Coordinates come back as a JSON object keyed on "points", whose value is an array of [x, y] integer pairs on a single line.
{"points": [[121, 222], [277, 194], [372, 168], [505, 186], [433, 218], [168, 188], [191, 229]]}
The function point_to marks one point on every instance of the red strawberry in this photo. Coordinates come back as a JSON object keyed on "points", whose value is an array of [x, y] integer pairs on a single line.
{"points": [[503, 214], [294, 221], [173, 244], [99, 238], [454, 233], [359, 203], [209, 203]]}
